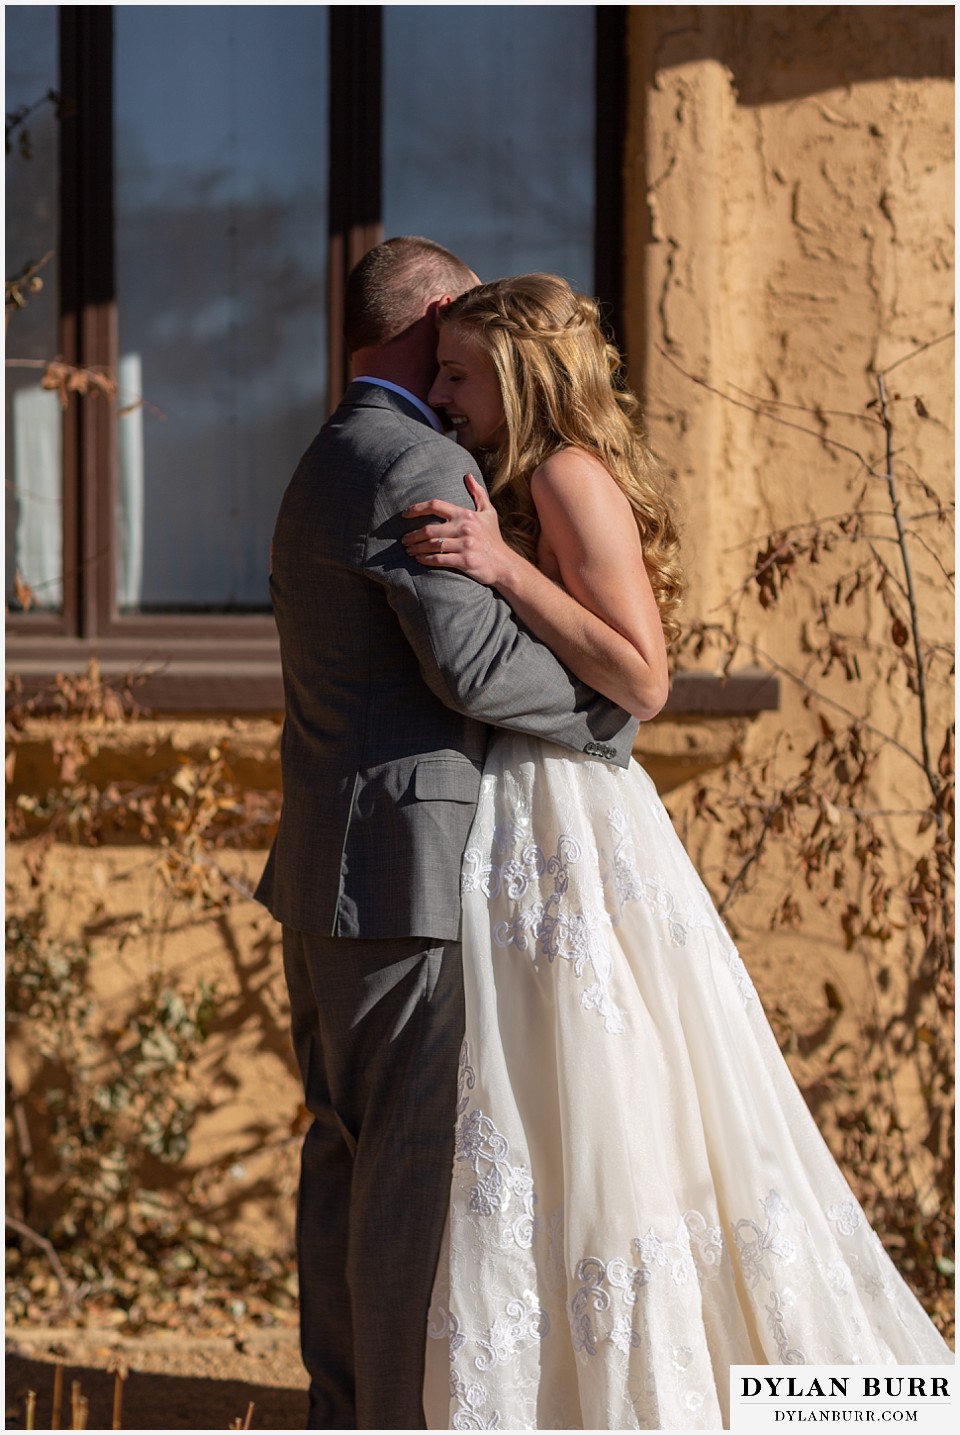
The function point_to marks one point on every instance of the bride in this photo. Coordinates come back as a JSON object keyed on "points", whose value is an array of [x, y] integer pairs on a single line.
{"points": [[640, 1197]]}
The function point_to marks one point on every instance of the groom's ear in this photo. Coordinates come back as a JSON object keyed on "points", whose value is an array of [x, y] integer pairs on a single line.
{"points": [[437, 306]]}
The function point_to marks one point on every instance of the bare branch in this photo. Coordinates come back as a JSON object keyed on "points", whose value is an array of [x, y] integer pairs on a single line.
{"points": [[29, 1234], [921, 349], [910, 593], [773, 418], [27, 282], [837, 706]]}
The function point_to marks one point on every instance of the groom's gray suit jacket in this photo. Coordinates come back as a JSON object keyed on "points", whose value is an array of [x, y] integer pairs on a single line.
{"points": [[392, 673]]}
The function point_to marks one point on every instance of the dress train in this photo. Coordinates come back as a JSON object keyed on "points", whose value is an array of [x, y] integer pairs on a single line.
{"points": [[640, 1197]]}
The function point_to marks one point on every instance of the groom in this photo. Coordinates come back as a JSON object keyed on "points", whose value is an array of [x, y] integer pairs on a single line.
{"points": [[392, 673]]}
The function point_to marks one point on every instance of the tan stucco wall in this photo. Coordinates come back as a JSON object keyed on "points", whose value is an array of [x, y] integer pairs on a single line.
{"points": [[241, 1169], [789, 234], [789, 231]]}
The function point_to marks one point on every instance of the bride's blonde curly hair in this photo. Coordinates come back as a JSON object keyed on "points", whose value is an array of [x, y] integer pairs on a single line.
{"points": [[560, 384]]}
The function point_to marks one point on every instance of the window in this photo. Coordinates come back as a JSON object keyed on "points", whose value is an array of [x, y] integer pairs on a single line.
{"points": [[494, 157], [220, 183], [34, 508], [214, 173]]}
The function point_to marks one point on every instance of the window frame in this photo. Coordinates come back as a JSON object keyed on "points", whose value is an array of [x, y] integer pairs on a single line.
{"points": [[223, 661]]}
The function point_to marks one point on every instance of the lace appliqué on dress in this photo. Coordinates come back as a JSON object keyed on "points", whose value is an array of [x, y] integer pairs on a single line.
{"points": [[547, 926], [499, 1184], [693, 1252], [578, 935], [624, 881]]}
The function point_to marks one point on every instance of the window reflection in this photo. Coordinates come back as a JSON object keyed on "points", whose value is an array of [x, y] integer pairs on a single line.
{"points": [[221, 191], [489, 134], [34, 508]]}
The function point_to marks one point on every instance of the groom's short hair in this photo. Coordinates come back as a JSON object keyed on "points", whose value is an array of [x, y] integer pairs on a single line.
{"points": [[391, 286]]}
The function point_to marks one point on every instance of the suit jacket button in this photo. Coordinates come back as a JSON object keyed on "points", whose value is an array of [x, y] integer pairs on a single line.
{"points": [[600, 749]]}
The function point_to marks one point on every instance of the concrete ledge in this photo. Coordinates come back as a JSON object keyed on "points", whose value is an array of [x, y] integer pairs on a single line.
{"points": [[228, 677], [746, 691], [703, 725]]}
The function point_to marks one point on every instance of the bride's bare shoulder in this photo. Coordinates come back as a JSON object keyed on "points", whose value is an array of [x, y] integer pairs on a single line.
{"points": [[566, 465], [573, 479]]}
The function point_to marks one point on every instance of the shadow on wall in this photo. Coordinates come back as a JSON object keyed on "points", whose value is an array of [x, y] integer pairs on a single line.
{"points": [[785, 52]]}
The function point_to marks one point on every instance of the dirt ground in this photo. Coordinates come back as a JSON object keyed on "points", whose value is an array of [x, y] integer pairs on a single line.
{"points": [[175, 1382]]}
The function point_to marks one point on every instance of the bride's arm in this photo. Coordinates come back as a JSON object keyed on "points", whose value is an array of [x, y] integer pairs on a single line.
{"points": [[603, 623]]}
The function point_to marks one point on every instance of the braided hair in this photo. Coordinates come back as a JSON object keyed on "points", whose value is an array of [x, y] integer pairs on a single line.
{"points": [[561, 386]]}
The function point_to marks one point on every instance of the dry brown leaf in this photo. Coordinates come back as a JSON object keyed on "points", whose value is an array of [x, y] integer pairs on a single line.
{"points": [[23, 591]]}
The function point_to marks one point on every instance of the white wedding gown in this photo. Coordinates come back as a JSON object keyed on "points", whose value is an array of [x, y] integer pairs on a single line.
{"points": [[640, 1196]]}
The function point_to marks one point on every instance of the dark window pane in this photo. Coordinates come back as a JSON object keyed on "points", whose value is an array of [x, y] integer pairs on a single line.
{"points": [[34, 507], [221, 190], [489, 133]]}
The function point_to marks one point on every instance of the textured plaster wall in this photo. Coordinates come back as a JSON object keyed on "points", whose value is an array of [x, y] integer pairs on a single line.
{"points": [[790, 230], [790, 233], [242, 1166]]}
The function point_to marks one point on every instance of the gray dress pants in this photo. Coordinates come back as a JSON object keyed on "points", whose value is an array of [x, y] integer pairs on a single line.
{"points": [[377, 1028]]}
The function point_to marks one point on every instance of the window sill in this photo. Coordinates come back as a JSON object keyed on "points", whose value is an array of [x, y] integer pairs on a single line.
{"points": [[216, 674], [740, 694], [240, 674]]}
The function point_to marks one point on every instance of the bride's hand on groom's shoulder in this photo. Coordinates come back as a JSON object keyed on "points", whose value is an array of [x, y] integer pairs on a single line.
{"points": [[462, 538]]}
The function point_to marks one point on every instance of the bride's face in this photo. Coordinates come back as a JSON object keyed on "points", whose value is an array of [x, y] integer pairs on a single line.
{"points": [[467, 390]]}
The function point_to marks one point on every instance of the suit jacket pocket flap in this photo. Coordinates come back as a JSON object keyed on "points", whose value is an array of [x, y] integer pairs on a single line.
{"points": [[446, 780]]}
